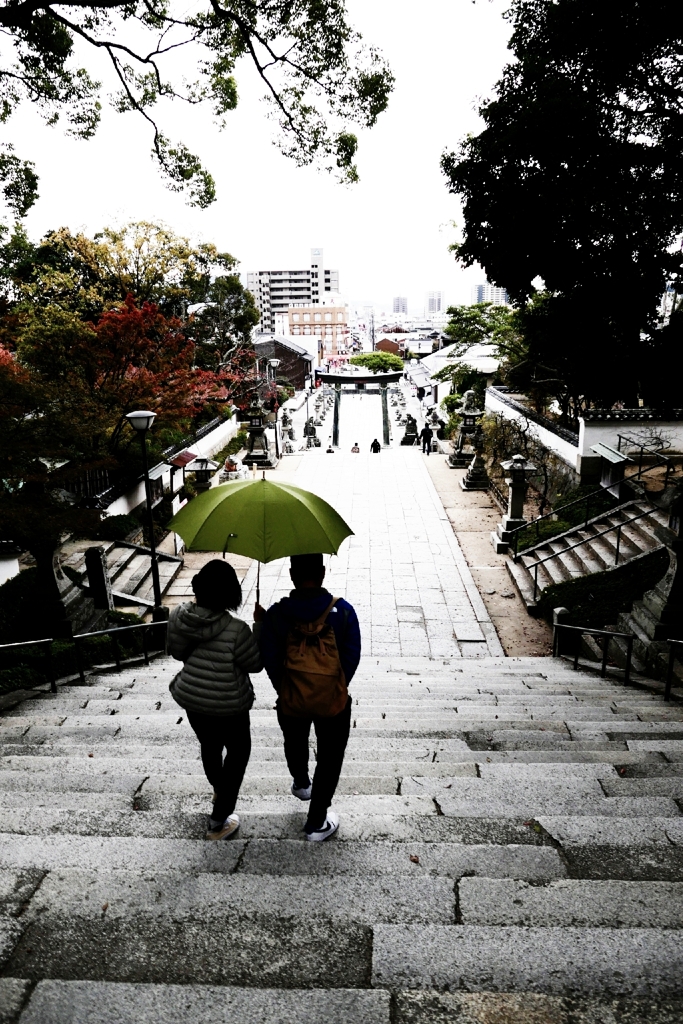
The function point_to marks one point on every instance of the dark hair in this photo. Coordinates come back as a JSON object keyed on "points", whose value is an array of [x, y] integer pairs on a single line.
{"points": [[216, 586], [306, 567]]}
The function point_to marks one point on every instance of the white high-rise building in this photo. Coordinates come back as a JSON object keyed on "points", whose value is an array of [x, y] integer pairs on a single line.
{"points": [[489, 293], [400, 304], [275, 291], [434, 302]]}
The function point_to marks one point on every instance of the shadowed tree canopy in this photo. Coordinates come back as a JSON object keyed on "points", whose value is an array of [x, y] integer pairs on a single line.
{"points": [[577, 179], [317, 75]]}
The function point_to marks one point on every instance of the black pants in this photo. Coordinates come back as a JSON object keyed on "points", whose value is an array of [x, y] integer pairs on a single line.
{"points": [[426, 445], [332, 735], [216, 733]]}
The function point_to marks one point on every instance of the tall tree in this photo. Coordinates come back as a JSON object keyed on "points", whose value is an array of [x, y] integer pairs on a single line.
{"points": [[577, 179], [317, 75]]}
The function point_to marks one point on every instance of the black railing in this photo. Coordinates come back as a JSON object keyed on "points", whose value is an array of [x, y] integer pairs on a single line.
{"points": [[588, 498], [586, 540], [608, 635], [674, 646], [114, 633], [653, 451]]}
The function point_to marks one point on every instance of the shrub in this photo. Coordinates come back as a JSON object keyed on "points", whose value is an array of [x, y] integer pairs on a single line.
{"points": [[116, 527], [378, 362]]}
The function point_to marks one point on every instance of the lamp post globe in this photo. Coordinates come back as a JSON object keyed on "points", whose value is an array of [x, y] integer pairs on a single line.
{"points": [[141, 420]]}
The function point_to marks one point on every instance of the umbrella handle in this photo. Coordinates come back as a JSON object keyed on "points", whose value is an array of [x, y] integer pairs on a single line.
{"points": [[258, 583]]}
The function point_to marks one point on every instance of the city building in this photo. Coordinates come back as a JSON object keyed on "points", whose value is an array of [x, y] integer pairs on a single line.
{"points": [[434, 302], [275, 290], [296, 362], [328, 322], [400, 304], [489, 293]]}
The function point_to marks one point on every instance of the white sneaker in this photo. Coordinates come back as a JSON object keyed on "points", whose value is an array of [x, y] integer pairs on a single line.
{"points": [[223, 829], [302, 794], [329, 828]]}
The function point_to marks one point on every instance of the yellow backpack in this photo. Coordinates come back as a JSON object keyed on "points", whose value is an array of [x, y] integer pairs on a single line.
{"points": [[313, 680]]}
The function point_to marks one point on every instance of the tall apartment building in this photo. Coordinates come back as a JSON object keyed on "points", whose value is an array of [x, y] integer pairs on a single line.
{"points": [[434, 302], [276, 290], [489, 293], [400, 304]]}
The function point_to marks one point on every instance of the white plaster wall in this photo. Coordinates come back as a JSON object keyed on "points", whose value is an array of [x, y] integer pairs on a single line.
{"points": [[9, 567], [205, 447], [607, 432], [568, 452]]}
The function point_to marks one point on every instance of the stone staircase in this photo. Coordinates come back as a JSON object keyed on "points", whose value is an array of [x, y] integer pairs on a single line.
{"points": [[510, 852], [639, 521], [130, 572]]}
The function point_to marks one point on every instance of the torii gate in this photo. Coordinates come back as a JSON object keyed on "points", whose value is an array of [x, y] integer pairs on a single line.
{"points": [[383, 379]]}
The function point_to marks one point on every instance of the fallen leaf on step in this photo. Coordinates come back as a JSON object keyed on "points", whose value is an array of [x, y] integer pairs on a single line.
{"points": [[414, 859], [104, 907], [91, 755]]}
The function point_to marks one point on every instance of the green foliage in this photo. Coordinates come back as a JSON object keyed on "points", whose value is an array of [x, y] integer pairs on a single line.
{"points": [[234, 445], [19, 181], [479, 324], [317, 76], [378, 362], [577, 178], [117, 527]]}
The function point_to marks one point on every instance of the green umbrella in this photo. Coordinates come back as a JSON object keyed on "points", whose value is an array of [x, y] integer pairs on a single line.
{"points": [[260, 519]]}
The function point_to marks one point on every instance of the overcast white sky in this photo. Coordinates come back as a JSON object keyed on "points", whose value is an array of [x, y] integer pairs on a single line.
{"points": [[387, 235]]}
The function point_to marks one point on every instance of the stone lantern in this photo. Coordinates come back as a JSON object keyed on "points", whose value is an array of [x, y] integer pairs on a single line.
{"points": [[518, 471], [463, 450], [258, 447], [203, 470]]}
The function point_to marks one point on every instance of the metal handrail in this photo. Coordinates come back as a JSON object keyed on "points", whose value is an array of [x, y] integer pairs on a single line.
{"points": [[670, 667], [48, 641], [610, 529], [582, 631], [554, 512], [664, 460]]}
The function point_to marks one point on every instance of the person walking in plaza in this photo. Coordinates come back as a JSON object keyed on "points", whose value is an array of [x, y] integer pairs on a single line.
{"points": [[375, 447], [219, 651], [426, 438], [355, 449], [310, 643]]}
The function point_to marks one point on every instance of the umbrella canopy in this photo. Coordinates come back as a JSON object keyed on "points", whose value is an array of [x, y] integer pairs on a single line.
{"points": [[260, 519]]}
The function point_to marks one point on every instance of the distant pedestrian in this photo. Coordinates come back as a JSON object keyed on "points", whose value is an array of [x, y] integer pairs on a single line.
{"points": [[310, 642], [355, 448], [213, 686], [426, 438], [375, 447]]}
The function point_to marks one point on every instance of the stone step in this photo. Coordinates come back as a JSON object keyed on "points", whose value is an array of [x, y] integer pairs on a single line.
{"points": [[218, 929], [618, 848], [573, 961], [192, 824], [569, 902], [275, 857], [93, 1002]]}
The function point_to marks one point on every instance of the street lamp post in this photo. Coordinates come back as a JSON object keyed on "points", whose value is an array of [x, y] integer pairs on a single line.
{"points": [[273, 364], [141, 421]]}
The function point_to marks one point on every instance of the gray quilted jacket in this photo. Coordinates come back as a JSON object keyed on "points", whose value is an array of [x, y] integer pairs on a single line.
{"points": [[219, 652]]}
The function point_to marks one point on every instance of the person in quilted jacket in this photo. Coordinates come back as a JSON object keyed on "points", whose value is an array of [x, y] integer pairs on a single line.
{"points": [[219, 651]]}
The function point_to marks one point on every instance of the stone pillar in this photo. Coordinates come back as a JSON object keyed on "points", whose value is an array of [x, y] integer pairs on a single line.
{"points": [[337, 410], [98, 578], [385, 417]]}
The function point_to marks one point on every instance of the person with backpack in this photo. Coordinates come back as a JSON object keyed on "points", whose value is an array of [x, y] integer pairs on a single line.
{"points": [[213, 686], [310, 643]]}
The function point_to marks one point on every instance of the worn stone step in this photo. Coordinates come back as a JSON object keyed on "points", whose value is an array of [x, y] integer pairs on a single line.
{"points": [[218, 928], [570, 902], [559, 961], [272, 857], [618, 848], [192, 823], [671, 787], [93, 1002]]}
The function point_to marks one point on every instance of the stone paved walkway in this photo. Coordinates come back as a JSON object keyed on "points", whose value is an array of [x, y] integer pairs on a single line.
{"points": [[403, 569]]}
